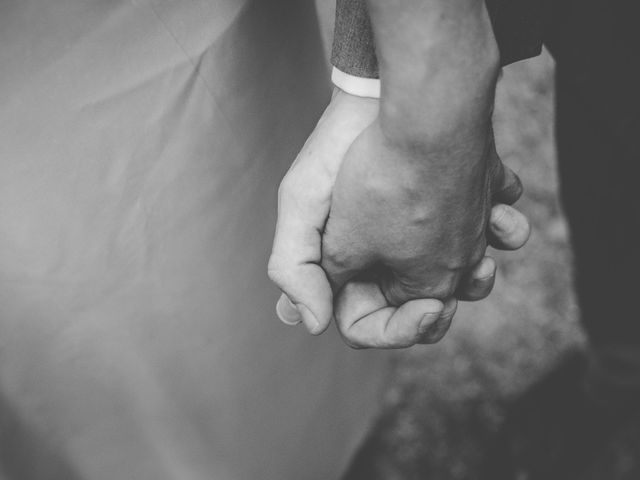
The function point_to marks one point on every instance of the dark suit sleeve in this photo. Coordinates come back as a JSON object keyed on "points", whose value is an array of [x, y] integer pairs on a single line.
{"points": [[354, 50], [516, 24]]}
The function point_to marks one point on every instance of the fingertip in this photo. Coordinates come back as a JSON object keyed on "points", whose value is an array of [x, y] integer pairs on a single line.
{"points": [[431, 306], [439, 328], [426, 322], [497, 218], [509, 229], [450, 307], [431, 310], [486, 269], [311, 321], [287, 311], [526, 232], [478, 283], [411, 321], [511, 189], [306, 298]]}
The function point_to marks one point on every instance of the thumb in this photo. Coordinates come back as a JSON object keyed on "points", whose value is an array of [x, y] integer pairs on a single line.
{"points": [[295, 258], [366, 320], [307, 296]]}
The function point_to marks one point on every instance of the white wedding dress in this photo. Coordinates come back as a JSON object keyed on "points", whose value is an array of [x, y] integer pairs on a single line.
{"points": [[141, 145]]}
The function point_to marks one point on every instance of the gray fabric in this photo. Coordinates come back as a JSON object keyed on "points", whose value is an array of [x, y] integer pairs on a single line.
{"points": [[353, 43], [141, 145]]}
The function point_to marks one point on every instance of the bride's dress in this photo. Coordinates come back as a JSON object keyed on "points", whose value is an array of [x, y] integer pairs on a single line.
{"points": [[141, 144]]}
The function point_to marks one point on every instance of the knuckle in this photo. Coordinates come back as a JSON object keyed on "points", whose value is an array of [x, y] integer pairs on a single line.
{"points": [[397, 294], [336, 257], [352, 342], [442, 292], [294, 186], [278, 272], [331, 253], [446, 288]]}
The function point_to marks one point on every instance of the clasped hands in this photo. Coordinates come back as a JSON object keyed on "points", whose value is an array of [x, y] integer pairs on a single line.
{"points": [[385, 236]]}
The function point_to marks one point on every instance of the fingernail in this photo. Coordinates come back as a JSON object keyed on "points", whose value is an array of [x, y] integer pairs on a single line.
{"points": [[487, 270], [499, 218], [432, 331], [309, 319], [427, 322], [287, 311]]}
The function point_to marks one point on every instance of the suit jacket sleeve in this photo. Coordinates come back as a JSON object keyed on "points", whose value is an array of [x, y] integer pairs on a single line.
{"points": [[516, 24]]}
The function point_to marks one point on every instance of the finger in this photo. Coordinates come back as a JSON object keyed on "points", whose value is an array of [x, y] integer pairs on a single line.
{"points": [[508, 228], [365, 319], [307, 296], [509, 188], [442, 324], [418, 281], [287, 312], [478, 283], [294, 262]]}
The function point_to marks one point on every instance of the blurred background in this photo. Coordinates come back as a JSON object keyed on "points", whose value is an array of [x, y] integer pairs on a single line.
{"points": [[446, 402]]}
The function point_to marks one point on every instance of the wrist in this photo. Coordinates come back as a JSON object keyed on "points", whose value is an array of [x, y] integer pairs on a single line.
{"points": [[446, 165], [437, 73], [418, 39], [453, 138]]}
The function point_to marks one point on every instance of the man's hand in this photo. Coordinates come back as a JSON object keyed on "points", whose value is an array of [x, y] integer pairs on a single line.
{"points": [[404, 231], [304, 205], [412, 200]]}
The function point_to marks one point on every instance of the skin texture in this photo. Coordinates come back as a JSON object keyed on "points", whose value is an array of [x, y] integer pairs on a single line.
{"points": [[412, 200], [396, 235], [346, 186]]}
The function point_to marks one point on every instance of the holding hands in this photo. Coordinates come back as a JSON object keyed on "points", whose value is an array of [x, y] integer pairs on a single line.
{"points": [[368, 236], [385, 216]]}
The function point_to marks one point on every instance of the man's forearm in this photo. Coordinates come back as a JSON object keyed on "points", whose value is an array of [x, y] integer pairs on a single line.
{"points": [[434, 56], [517, 25]]}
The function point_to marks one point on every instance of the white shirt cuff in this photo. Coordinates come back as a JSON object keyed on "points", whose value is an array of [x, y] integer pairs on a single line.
{"points": [[358, 86]]}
